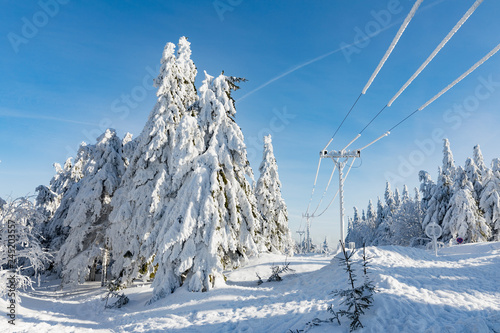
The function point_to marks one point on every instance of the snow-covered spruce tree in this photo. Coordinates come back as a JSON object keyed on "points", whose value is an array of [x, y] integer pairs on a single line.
{"points": [[139, 205], [405, 223], [355, 232], [464, 218], [325, 248], [383, 232], [49, 197], [214, 221], [448, 162], [271, 205], [19, 224], [406, 195], [379, 219], [442, 192], [390, 202], [475, 177], [436, 204], [479, 160], [61, 194], [397, 199], [87, 215], [426, 187], [371, 216], [490, 198], [47, 201]]}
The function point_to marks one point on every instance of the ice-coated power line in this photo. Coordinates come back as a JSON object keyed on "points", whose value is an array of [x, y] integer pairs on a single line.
{"points": [[347, 115], [393, 44], [472, 69], [384, 59], [427, 61], [437, 49], [314, 186], [460, 78]]}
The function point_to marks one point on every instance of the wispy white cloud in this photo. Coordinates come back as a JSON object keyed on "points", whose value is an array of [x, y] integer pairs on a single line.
{"points": [[6, 113]]}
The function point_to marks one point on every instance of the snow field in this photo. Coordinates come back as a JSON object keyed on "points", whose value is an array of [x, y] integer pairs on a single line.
{"points": [[458, 291]]}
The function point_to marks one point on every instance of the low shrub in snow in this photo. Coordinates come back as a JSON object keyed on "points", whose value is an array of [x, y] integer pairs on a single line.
{"points": [[276, 270]]}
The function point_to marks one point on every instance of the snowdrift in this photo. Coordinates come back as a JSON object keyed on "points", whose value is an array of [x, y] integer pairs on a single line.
{"points": [[458, 291]]}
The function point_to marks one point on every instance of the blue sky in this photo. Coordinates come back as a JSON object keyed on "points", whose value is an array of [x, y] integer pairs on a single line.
{"points": [[73, 69]]}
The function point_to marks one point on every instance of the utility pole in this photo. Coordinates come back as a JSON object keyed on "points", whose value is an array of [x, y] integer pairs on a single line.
{"points": [[301, 233], [340, 159], [308, 231]]}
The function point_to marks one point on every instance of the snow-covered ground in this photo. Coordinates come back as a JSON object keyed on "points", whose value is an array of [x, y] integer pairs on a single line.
{"points": [[459, 291]]}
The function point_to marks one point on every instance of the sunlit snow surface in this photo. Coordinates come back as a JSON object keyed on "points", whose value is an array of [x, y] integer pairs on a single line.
{"points": [[459, 291]]}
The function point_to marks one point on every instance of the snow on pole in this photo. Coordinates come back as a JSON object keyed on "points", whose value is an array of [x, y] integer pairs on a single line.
{"points": [[476, 65], [393, 44], [437, 49]]}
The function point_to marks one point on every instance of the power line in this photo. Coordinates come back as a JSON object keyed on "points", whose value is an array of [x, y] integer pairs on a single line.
{"points": [[402, 121], [352, 107], [437, 49], [373, 119], [402, 28], [451, 85], [461, 77], [455, 28], [393, 44]]}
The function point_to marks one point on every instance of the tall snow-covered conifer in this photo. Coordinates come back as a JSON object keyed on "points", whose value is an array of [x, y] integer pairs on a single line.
{"points": [[478, 159], [213, 223], [390, 202], [371, 216], [55, 201], [383, 232], [87, 215], [475, 177], [463, 218], [426, 187], [146, 188], [490, 198], [270, 203], [448, 162], [442, 192], [405, 224]]}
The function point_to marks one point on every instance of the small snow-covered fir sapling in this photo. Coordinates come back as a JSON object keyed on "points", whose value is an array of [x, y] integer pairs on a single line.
{"points": [[357, 299], [326, 248], [276, 272], [113, 288]]}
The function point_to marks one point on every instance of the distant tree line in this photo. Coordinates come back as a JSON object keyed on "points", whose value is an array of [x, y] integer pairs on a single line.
{"points": [[464, 201]]}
